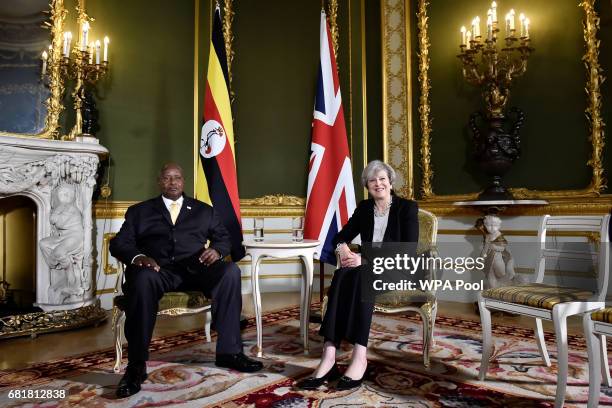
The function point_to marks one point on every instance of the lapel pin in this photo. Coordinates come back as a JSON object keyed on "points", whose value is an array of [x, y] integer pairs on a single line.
{"points": [[188, 207]]}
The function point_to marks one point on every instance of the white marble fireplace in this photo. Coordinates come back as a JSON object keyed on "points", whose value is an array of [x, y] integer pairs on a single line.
{"points": [[59, 176]]}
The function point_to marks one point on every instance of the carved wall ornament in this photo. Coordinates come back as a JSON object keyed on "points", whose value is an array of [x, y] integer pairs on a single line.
{"points": [[59, 177]]}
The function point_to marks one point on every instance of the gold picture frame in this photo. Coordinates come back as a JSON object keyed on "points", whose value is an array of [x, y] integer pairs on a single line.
{"points": [[593, 113]]}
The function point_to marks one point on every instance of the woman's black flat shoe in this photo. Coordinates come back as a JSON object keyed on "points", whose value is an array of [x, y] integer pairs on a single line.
{"points": [[347, 383], [312, 383]]}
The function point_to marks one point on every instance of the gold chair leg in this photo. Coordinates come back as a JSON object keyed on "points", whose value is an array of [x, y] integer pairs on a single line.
{"points": [[118, 334], [427, 313]]}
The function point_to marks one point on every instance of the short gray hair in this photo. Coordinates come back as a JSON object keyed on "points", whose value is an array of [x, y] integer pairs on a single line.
{"points": [[374, 167], [169, 165]]}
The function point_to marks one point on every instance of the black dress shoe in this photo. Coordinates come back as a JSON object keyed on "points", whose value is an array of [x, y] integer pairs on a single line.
{"points": [[238, 362], [347, 383], [312, 383], [131, 380]]}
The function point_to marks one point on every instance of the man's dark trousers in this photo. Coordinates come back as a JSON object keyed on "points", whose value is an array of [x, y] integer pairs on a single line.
{"points": [[144, 287]]}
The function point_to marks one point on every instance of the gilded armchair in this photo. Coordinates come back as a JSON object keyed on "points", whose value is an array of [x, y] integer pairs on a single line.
{"points": [[171, 304], [422, 302]]}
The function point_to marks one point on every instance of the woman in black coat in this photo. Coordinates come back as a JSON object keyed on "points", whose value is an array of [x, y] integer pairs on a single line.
{"points": [[382, 218]]}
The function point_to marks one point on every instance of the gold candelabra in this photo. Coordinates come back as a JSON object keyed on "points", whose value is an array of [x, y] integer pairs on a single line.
{"points": [[490, 68], [86, 63], [497, 144]]}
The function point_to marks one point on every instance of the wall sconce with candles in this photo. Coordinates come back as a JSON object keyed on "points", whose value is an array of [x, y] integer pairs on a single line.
{"points": [[493, 69], [86, 63]]}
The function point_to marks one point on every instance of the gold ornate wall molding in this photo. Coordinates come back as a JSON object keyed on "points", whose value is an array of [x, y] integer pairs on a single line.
{"points": [[396, 90], [568, 206], [280, 205], [57, 15], [593, 113], [274, 205], [277, 205], [332, 12], [228, 37]]}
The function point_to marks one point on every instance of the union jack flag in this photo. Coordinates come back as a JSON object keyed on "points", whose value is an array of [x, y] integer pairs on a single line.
{"points": [[330, 199]]}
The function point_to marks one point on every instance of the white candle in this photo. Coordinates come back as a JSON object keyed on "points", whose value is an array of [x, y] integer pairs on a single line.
{"points": [[85, 34], [476, 27], [462, 35], [69, 44], [526, 28], [489, 28], [508, 33], [44, 59], [468, 36], [511, 19], [106, 41], [494, 12], [97, 52], [522, 24], [65, 46], [91, 52]]}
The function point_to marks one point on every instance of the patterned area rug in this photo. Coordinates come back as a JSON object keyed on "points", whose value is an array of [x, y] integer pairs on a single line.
{"points": [[182, 371]]}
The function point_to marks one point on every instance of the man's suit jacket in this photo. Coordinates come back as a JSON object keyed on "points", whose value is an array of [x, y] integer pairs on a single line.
{"points": [[148, 230], [402, 226]]}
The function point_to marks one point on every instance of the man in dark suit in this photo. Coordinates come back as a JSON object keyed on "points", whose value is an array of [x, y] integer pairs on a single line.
{"points": [[163, 243]]}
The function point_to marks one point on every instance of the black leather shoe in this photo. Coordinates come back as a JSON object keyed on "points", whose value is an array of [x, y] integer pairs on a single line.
{"points": [[131, 380], [238, 362], [347, 383], [312, 383]]}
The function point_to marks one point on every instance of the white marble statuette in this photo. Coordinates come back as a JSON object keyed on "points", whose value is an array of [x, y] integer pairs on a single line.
{"points": [[499, 263]]}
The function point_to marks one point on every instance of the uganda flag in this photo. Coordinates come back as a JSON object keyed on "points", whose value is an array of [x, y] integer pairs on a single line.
{"points": [[217, 155]]}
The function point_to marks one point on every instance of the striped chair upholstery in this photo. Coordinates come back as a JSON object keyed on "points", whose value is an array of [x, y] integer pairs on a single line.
{"points": [[603, 315], [538, 295], [556, 303]]}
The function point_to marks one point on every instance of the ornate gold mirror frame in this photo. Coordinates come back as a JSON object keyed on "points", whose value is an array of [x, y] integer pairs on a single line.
{"points": [[57, 15], [593, 113]]}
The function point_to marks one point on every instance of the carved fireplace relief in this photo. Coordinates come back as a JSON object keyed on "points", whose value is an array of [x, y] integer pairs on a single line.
{"points": [[59, 177]]}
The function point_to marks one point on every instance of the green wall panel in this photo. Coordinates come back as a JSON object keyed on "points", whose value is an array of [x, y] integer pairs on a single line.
{"points": [[554, 138], [374, 79], [146, 102], [274, 77]]}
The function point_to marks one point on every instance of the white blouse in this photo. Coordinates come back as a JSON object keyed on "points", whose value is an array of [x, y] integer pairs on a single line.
{"points": [[380, 226]]}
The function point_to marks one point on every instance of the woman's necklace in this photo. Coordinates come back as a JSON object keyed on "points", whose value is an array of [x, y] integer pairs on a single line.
{"points": [[384, 212]]}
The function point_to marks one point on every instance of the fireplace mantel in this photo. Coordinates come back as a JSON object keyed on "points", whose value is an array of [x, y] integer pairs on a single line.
{"points": [[59, 176]]}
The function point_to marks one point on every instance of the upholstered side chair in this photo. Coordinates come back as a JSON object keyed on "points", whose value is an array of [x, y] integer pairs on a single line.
{"points": [[597, 326], [551, 302], [170, 305]]}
